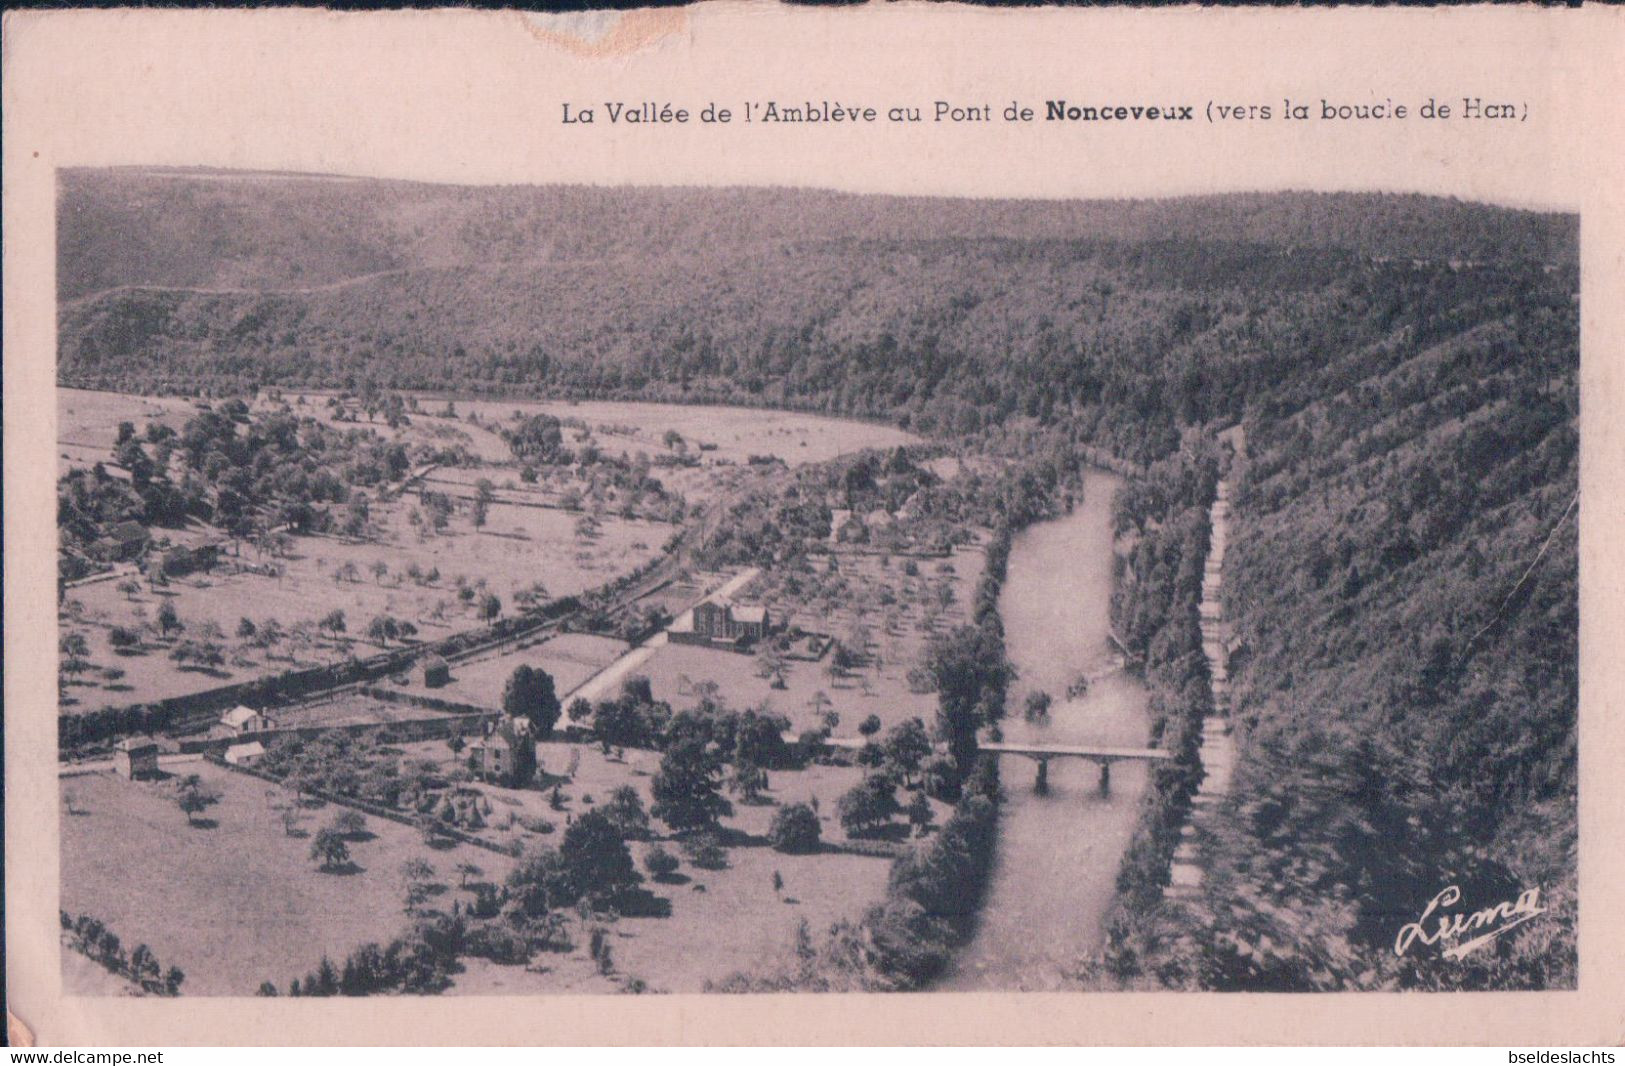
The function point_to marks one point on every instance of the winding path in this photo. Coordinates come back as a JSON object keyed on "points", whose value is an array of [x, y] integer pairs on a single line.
{"points": [[1218, 751]]}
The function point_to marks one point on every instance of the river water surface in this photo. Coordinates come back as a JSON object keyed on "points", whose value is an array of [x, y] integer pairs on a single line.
{"points": [[1058, 854]]}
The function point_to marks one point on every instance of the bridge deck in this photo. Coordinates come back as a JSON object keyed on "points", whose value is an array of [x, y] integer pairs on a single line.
{"points": [[1046, 751], [1033, 751]]}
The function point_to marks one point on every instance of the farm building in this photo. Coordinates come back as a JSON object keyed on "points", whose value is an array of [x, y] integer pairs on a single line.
{"points": [[135, 757], [242, 719], [245, 754], [846, 527], [123, 542], [720, 621], [436, 672], [505, 755]]}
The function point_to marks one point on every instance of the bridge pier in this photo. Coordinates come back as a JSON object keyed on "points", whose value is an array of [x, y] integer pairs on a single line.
{"points": [[1105, 777], [1041, 786]]}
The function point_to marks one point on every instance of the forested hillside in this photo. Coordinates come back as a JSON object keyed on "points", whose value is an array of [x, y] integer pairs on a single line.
{"points": [[245, 230], [1403, 584], [1421, 659], [1126, 320], [1403, 572]]}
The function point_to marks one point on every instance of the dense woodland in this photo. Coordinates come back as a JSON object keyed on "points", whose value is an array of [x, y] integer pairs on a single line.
{"points": [[1403, 575]]}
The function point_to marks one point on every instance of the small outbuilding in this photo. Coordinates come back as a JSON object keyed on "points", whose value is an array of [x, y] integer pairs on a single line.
{"points": [[436, 672], [245, 754], [242, 719], [136, 757]]}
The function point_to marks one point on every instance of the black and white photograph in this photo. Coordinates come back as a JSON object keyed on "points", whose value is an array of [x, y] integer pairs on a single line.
{"points": [[523, 590], [755, 525]]}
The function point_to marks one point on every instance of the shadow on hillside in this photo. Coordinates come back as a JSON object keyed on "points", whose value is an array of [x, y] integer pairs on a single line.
{"points": [[641, 903], [207, 671]]}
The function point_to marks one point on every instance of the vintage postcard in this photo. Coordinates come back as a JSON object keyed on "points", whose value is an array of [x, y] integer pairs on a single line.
{"points": [[686, 525]]}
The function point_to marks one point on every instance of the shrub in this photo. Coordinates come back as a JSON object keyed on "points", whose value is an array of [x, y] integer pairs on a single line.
{"points": [[795, 829], [705, 851], [498, 942], [868, 805], [625, 811], [660, 863]]}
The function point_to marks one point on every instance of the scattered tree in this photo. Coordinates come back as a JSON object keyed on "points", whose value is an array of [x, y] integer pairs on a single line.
{"points": [[795, 829], [920, 815], [625, 812], [194, 797], [329, 849], [597, 859], [868, 805], [660, 863]]}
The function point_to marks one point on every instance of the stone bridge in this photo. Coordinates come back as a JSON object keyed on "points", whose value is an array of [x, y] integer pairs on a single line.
{"points": [[1104, 757]]}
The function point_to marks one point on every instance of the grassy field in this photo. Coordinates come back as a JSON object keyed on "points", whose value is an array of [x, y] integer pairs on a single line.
{"points": [[237, 901], [722, 438], [351, 709], [570, 657], [87, 421], [737, 432]]}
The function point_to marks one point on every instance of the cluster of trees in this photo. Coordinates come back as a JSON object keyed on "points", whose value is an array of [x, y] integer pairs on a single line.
{"points": [[248, 475], [590, 872], [751, 737], [421, 961], [95, 941]]}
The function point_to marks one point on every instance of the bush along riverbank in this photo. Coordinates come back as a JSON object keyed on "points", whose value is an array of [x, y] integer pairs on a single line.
{"points": [[1155, 610], [932, 898]]}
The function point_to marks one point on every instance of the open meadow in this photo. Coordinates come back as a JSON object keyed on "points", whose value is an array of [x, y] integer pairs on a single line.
{"points": [[732, 433], [87, 421], [570, 658], [234, 899]]}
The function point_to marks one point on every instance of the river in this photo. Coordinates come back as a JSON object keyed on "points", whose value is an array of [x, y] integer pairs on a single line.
{"points": [[1056, 865]]}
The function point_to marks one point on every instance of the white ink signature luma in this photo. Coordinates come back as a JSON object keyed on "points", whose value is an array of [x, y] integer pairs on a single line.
{"points": [[1501, 918]]}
